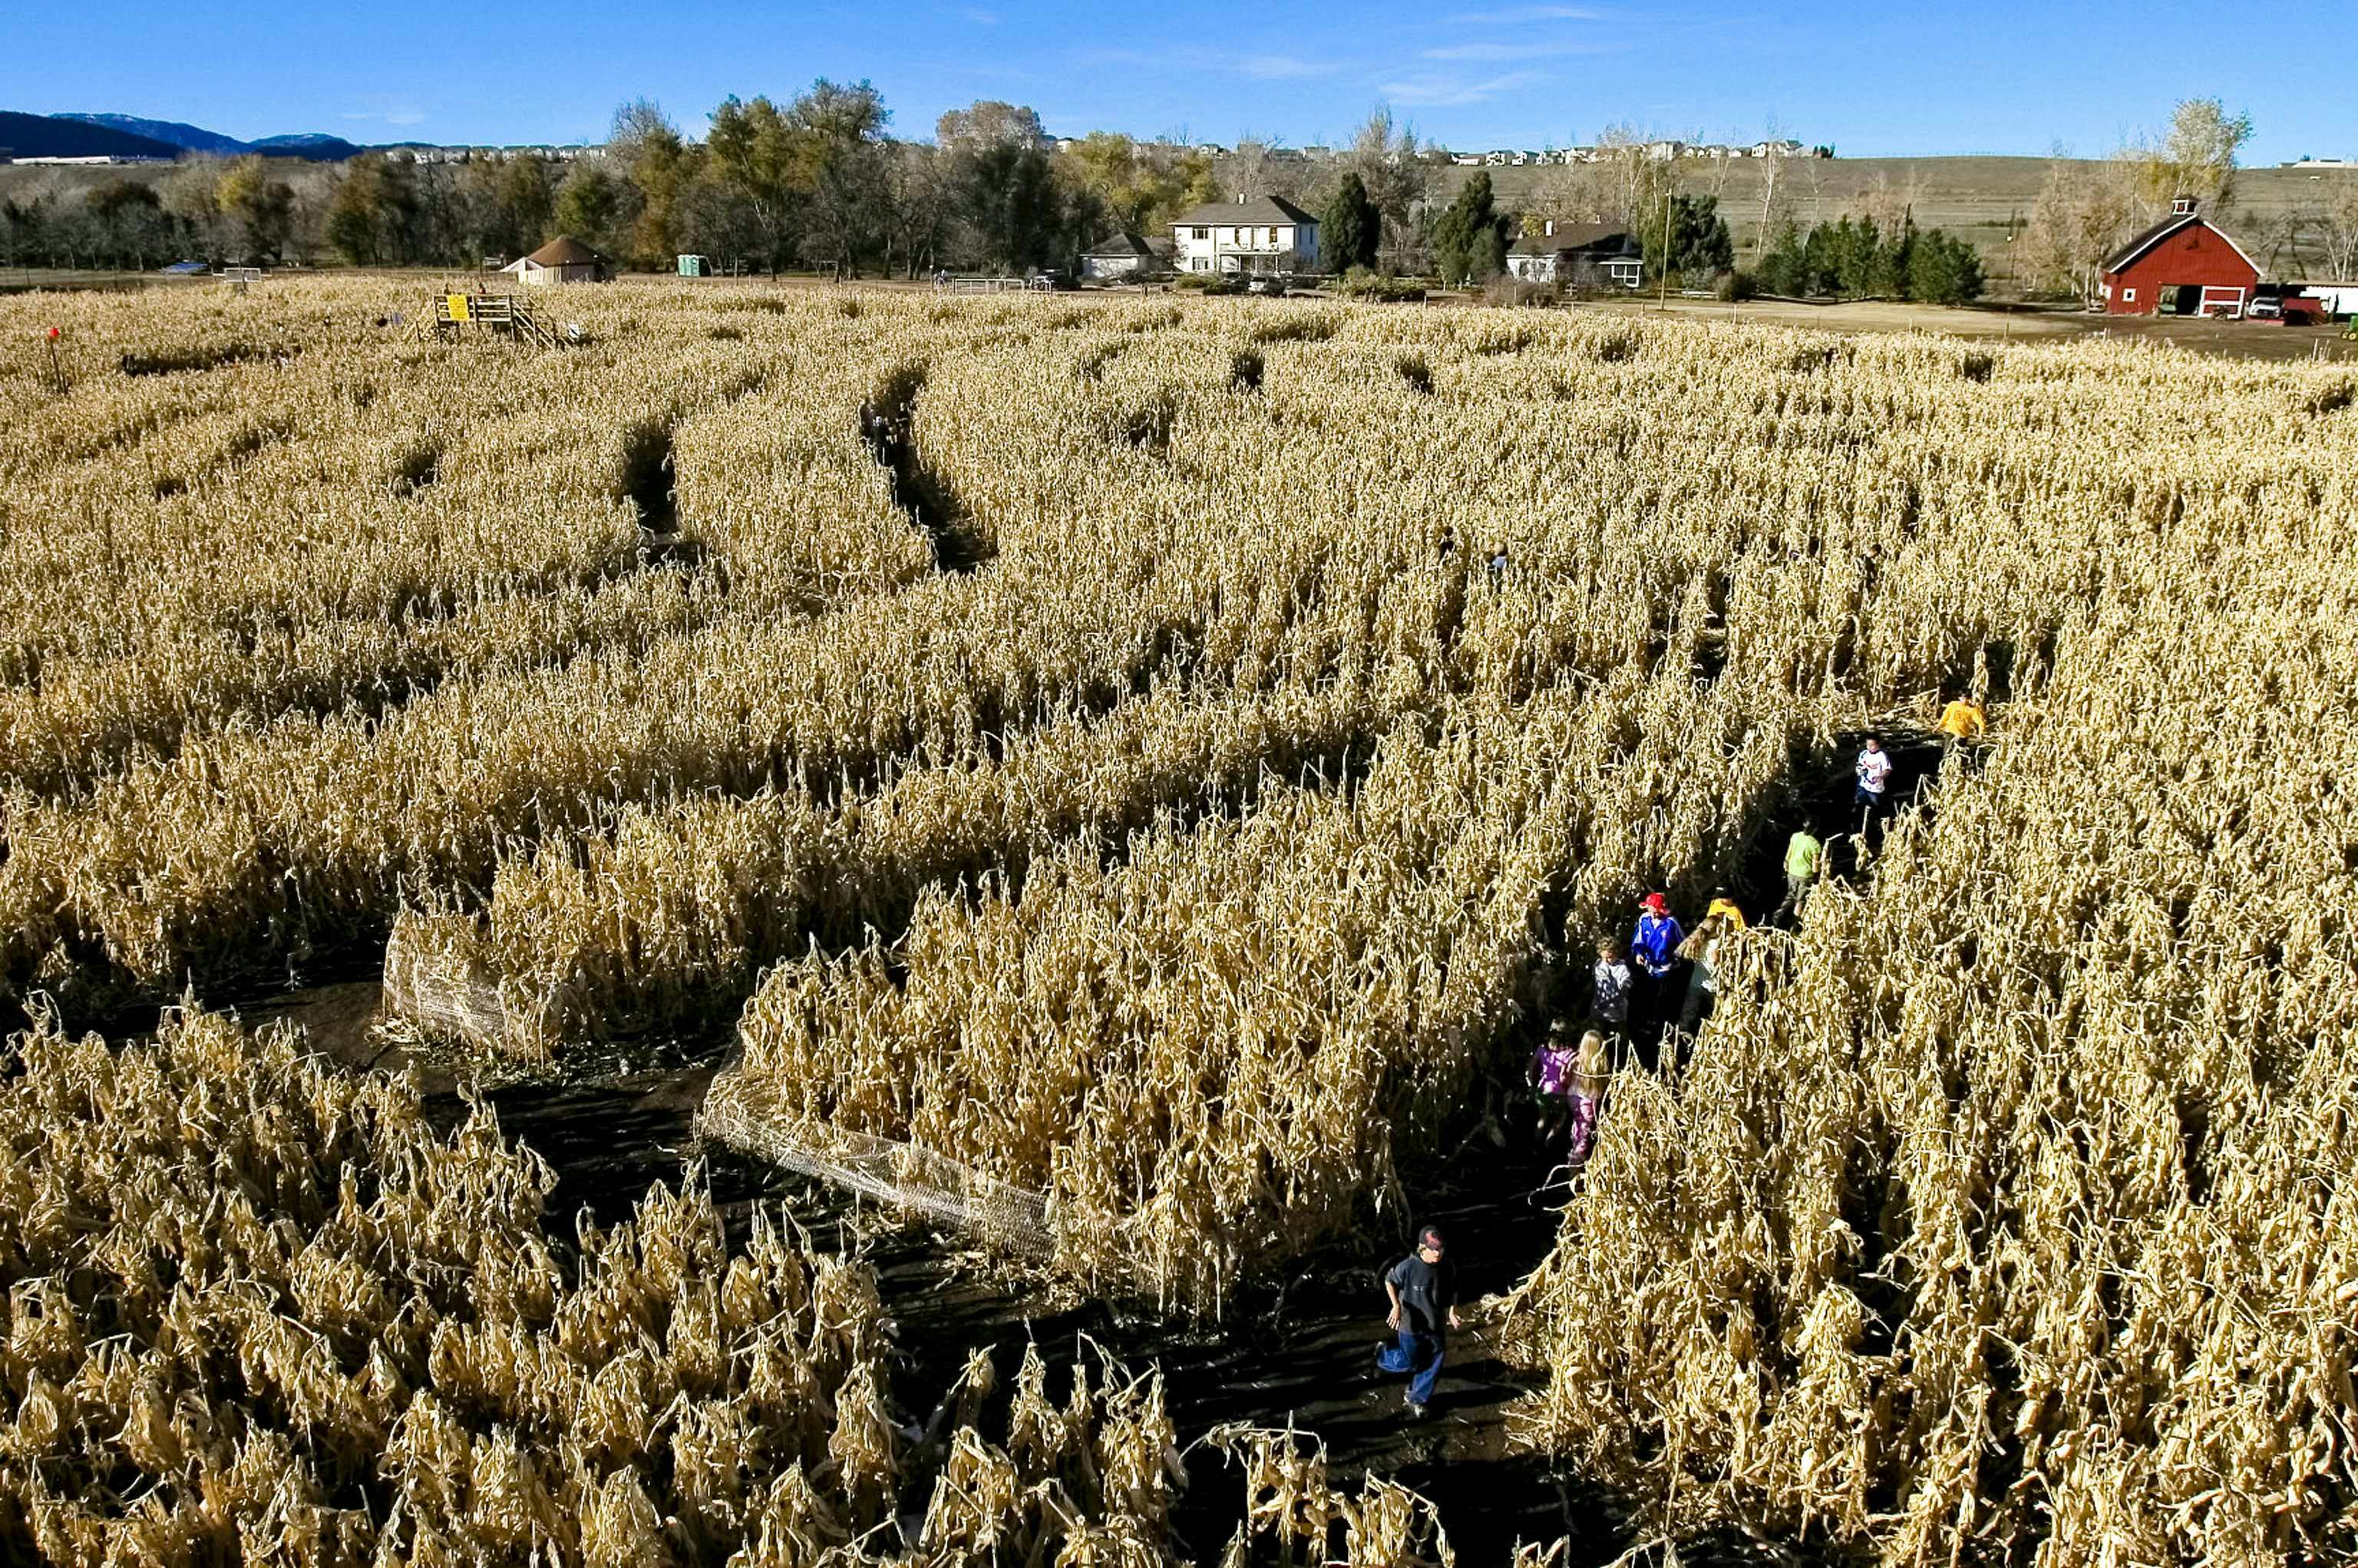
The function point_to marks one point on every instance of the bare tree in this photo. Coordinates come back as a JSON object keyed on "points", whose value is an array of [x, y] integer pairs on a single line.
{"points": [[1774, 194], [2280, 236], [2337, 226], [2086, 209], [2196, 156], [1257, 168], [1886, 204], [1384, 155], [989, 123]]}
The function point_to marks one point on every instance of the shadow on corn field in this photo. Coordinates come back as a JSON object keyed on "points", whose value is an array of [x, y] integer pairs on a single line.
{"points": [[1819, 797], [1296, 1350], [888, 424]]}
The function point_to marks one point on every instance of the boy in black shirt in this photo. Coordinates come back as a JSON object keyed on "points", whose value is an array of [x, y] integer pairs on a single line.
{"points": [[1423, 1287]]}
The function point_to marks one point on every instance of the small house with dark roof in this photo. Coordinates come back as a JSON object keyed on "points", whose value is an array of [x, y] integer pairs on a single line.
{"points": [[1126, 255], [563, 260], [2181, 267], [1593, 255], [1268, 235]]}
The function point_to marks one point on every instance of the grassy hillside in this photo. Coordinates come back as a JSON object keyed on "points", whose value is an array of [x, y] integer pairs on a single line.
{"points": [[1975, 198]]}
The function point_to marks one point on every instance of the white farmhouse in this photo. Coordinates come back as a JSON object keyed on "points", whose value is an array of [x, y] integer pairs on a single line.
{"points": [[1268, 235]]}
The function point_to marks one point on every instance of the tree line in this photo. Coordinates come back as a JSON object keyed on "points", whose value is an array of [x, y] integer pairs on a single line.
{"points": [[1858, 260], [2088, 207], [816, 181]]}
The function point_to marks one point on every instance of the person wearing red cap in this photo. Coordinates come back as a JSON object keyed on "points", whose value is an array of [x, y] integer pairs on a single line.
{"points": [[1655, 951]]}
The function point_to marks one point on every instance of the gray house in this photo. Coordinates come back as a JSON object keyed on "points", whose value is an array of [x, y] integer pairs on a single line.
{"points": [[1592, 255]]}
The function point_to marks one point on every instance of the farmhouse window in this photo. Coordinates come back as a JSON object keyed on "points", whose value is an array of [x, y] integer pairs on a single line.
{"points": [[2128, 296], [1200, 235]]}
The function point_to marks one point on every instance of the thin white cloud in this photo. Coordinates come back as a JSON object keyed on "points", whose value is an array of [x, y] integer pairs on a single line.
{"points": [[1500, 53], [392, 112], [1517, 15], [1261, 67], [1274, 67], [1435, 92], [980, 18]]}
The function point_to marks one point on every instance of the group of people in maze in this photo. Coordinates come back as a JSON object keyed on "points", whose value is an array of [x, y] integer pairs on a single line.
{"points": [[1649, 990]]}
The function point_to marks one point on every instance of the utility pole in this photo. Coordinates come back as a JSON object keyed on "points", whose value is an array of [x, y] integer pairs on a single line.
{"points": [[1662, 298]]}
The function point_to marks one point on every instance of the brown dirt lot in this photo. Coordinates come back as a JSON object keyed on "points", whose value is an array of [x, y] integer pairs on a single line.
{"points": [[2238, 340]]}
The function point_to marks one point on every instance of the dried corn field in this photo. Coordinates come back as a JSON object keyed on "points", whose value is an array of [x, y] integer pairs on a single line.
{"points": [[261, 1311], [1121, 776]]}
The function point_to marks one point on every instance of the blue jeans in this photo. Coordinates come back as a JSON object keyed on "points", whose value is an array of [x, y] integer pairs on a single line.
{"points": [[1419, 1355]]}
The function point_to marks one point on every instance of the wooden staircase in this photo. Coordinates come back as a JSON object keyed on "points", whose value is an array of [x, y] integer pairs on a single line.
{"points": [[503, 314]]}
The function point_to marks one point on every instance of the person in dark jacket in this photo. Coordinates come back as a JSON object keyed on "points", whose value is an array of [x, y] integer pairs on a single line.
{"points": [[1423, 1288]]}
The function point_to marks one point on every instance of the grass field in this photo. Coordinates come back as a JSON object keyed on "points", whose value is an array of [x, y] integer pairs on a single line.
{"points": [[1138, 777]]}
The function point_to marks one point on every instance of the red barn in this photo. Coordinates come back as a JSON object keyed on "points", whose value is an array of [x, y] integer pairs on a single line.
{"points": [[2181, 266]]}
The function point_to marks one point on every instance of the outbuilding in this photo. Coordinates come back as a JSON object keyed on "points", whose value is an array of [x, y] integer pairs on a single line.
{"points": [[2183, 265], [563, 260], [1126, 257]]}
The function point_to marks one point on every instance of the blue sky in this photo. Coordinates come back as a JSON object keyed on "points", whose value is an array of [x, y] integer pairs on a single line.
{"points": [[1889, 80]]}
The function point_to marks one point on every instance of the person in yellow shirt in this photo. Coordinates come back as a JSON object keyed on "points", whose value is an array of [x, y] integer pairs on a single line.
{"points": [[1964, 719]]}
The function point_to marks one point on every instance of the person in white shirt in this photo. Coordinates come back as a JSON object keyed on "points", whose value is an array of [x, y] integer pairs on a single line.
{"points": [[1610, 999], [1874, 778]]}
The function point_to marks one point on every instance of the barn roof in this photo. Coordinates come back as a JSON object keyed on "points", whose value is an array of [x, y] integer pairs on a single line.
{"points": [[1261, 209], [2170, 226], [564, 250]]}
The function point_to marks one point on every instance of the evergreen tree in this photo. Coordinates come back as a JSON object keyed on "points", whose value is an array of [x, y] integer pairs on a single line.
{"points": [[1350, 229], [1783, 269], [1695, 245], [1469, 240], [1943, 271]]}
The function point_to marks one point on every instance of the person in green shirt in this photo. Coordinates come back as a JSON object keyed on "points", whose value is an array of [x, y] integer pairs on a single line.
{"points": [[1802, 853]]}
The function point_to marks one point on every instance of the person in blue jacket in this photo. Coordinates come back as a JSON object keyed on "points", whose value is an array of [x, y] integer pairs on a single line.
{"points": [[1654, 951]]}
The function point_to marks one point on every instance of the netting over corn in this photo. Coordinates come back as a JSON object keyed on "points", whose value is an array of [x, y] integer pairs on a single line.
{"points": [[450, 993], [744, 1112]]}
